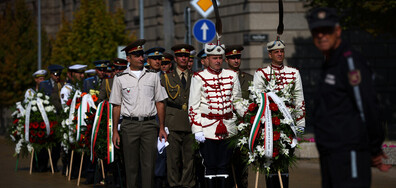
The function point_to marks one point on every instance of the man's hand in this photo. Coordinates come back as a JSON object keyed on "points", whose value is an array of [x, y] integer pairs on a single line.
{"points": [[377, 162], [116, 139], [162, 134], [199, 137]]}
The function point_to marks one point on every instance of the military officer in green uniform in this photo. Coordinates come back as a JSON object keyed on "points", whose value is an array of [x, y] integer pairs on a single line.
{"points": [[233, 58], [180, 152], [105, 88]]}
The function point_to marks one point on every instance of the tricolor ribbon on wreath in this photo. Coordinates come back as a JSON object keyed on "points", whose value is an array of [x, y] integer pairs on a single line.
{"points": [[43, 115], [263, 117], [109, 128], [86, 103]]}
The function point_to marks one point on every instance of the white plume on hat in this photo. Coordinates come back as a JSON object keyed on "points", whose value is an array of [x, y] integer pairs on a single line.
{"points": [[276, 44], [213, 49]]}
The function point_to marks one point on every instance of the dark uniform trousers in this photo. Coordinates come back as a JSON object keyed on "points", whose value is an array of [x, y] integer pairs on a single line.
{"points": [[181, 154], [216, 156], [139, 140], [345, 169]]}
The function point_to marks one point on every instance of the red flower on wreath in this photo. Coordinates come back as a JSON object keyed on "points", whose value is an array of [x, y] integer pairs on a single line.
{"points": [[276, 121], [40, 134], [275, 153], [273, 107], [68, 103], [252, 107], [276, 135], [252, 119], [34, 125], [42, 125], [33, 133], [15, 121]]}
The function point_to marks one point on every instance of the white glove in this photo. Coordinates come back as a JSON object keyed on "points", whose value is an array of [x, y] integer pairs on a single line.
{"points": [[199, 137]]}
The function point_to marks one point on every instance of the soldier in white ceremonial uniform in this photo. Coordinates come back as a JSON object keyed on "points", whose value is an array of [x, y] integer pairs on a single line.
{"points": [[76, 74], [211, 114], [284, 76]]}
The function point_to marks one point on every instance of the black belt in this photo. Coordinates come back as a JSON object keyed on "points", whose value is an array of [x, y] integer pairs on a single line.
{"points": [[139, 118]]}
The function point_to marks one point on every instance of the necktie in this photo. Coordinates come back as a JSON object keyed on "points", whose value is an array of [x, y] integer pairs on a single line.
{"points": [[183, 80]]}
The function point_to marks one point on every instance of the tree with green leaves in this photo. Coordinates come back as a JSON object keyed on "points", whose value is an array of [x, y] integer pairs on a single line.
{"points": [[18, 54], [95, 34], [376, 17]]}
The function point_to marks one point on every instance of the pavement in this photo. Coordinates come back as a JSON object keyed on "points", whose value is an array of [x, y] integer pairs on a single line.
{"points": [[306, 174]]}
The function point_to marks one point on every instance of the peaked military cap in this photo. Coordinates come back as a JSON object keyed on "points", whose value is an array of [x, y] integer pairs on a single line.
{"points": [[135, 47], [202, 54], [101, 63], [322, 17], [155, 52], [276, 44], [77, 68], [166, 58], [182, 48], [233, 50], [90, 72], [120, 62], [55, 69], [39, 73]]}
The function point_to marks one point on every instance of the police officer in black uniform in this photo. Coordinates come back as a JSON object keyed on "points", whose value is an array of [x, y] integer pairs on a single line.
{"points": [[348, 132]]}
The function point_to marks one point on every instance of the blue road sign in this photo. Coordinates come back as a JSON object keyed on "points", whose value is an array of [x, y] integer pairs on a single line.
{"points": [[204, 30]]}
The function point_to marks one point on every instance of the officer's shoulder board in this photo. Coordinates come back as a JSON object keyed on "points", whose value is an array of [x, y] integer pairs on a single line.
{"points": [[121, 74]]}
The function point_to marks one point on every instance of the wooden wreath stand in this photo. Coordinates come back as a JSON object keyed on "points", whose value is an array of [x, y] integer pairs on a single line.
{"points": [[257, 177], [50, 158]]}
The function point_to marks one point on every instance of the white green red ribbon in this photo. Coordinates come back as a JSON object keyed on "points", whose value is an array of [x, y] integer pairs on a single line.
{"points": [[86, 103], [109, 127], [264, 116], [110, 147], [95, 127], [262, 113]]}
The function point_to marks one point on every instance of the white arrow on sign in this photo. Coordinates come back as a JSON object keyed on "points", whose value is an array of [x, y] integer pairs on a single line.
{"points": [[204, 29]]}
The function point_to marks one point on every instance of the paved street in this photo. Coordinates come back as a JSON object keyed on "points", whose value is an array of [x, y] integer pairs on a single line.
{"points": [[305, 174]]}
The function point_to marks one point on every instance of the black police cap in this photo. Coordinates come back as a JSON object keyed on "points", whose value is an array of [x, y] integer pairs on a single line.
{"points": [[322, 17]]}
